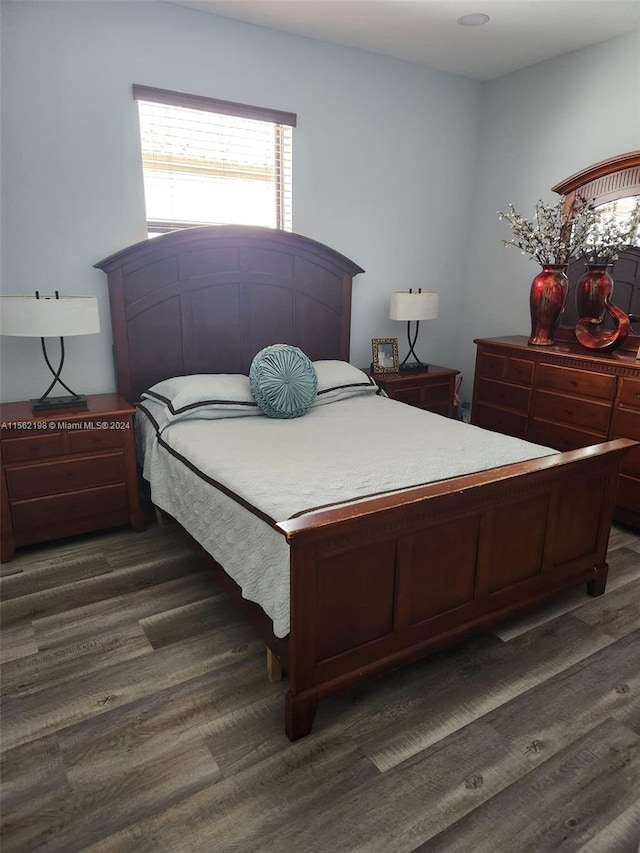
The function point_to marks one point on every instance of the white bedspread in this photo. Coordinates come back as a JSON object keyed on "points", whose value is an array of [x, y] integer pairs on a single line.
{"points": [[348, 450]]}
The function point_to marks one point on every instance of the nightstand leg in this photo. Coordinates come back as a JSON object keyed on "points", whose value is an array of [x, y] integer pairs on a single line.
{"points": [[7, 549]]}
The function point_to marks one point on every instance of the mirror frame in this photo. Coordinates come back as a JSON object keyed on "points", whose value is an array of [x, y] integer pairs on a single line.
{"points": [[606, 181]]}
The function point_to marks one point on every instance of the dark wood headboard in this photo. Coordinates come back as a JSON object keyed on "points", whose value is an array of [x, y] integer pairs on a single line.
{"points": [[206, 300]]}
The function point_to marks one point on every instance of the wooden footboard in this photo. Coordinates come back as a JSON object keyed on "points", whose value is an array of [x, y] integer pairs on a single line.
{"points": [[382, 582]]}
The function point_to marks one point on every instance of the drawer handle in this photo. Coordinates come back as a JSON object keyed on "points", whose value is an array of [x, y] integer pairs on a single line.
{"points": [[573, 382], [69, 475]]}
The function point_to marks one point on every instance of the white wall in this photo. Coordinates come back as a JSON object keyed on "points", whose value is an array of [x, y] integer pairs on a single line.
{"points": [[539, 126], [383, 152]]}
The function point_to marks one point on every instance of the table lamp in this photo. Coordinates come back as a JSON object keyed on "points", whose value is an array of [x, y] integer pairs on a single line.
{"points": [[43, 317], [413, 306]]}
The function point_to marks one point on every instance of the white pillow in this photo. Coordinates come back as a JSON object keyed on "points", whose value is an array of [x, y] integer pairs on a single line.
{"points": [[204, 395], [338, 380], [154, 411]]}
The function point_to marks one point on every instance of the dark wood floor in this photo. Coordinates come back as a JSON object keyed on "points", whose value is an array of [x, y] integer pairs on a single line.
{"points": [[137, 717]]}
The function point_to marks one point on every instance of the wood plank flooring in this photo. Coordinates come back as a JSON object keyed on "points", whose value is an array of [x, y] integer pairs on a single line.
{"points": [[137, 716]]}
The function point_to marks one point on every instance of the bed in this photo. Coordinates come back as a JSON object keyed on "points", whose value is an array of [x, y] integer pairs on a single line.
{"points": [[387, 578]]}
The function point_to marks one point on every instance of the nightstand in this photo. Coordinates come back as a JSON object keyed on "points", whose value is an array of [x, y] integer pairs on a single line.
{"points": [[67, 472], [432, 389]]}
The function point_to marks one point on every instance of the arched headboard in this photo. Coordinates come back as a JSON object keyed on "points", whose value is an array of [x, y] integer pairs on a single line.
{"points": [[206, 300]]}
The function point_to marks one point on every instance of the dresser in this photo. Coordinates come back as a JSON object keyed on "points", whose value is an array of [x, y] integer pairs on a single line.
{"points": [[432, 388], [563, 397], [67, 472]]}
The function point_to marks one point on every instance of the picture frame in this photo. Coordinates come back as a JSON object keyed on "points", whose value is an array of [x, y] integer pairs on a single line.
{"points": [[384, 355]]}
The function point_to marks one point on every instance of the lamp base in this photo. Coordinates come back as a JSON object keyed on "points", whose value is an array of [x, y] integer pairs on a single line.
{"points": [[48, 404], [413, 365]]}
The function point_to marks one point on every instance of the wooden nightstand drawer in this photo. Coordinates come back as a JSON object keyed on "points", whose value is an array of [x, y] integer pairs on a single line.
{"points": [[410, 396], [32, 447], [87, 440], [50, 478], [429, 388], [578, 382], [48, 445], [439, 409], [79, 504], [436, 393], [67, 472]]}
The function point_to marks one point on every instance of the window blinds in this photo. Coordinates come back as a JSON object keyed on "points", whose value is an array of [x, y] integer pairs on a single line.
{"points": [[213, 162]]}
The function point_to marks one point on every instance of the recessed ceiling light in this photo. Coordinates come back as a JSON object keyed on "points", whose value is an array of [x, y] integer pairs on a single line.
{"points": [[475, 19]]}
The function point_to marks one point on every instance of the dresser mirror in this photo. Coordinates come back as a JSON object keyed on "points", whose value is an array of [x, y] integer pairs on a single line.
{"points": [[613, 183]]}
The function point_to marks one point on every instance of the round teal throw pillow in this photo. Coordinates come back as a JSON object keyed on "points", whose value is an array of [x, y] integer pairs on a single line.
{"points": [[283, 381]]}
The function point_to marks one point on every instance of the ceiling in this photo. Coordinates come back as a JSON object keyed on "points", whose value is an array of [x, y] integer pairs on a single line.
{"points": [[520, 33]]}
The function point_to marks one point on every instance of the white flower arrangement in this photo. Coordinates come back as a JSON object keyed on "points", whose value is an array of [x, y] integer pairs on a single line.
{"points": [[611, 232], [555, 235], [549, 238]]}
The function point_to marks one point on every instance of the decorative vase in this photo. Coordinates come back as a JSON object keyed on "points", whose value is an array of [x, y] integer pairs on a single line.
{"points": [[591, 335], [548, 293], [593, 301], [593, 290]]}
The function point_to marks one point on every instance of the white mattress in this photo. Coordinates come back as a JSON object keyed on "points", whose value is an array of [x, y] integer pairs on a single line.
{"points": [[255, 472]]}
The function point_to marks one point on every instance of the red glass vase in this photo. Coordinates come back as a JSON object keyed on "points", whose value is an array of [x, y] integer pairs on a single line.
{"points": [[546, 301], [593, 301], [593, 290]]}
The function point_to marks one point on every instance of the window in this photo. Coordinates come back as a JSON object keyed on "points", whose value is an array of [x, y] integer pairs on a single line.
{"points": [[211, 162]]}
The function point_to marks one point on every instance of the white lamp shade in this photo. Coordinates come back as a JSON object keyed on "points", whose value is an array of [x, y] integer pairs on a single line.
{"points": [[411, 305], [32, 317]]}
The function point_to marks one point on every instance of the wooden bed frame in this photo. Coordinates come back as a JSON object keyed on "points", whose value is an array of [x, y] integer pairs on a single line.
{"points": [[382, 582]]}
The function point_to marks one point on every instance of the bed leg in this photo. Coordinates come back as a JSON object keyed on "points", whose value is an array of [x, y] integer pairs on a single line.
{"points": [[598, 585], [161, 518], [274, 667], [299, 713]]}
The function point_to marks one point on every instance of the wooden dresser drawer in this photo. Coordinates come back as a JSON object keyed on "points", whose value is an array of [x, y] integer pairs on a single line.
{"points": [[571, 410], [499, 420], [629, 392], [519, 370], [30, 481], [628, 496], [626, 424], [582, 383], [513, 397], [560, 436], [631, 464], [496, 366], [59, 508], [579, 398]]}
